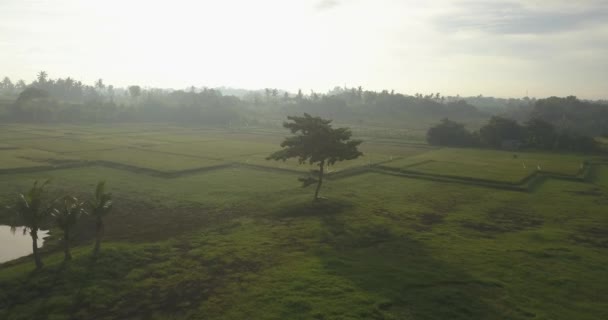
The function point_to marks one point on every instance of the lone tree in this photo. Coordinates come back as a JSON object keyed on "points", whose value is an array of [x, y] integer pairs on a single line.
{"points": [[69, 210], [317, 143], [100, 206], [31, 212]]}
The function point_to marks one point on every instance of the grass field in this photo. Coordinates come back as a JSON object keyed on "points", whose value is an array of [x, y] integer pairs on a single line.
{"points": [[246, 243], [490, 164], [149, 160], [12, 158]]}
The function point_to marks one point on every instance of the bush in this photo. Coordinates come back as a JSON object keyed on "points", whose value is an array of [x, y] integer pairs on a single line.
{"points": [[450, 133]]}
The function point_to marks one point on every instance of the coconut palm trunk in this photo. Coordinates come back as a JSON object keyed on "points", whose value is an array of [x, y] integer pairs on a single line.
{"points": [[99, 228], [31, 211], [66, 246], [66, 215], [37, 260], [101, 205]]}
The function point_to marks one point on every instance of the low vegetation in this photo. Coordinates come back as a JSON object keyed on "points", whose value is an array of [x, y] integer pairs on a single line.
{"points": [[504, 133], [31, 212], [35, 210], [244, 240], [66, 215]]}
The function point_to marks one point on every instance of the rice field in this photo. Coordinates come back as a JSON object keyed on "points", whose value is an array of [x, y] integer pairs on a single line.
{"points": [[493, 165], [174, 149], [23, 158], [243, 241]]}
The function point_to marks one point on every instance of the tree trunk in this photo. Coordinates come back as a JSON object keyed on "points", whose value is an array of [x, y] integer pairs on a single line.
{"points": [[66, 246], [98, 235], [37, 260], [319, 180]]}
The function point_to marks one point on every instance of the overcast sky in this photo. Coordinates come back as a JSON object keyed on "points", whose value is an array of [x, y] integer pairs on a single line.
{"points": [[494, 48]]}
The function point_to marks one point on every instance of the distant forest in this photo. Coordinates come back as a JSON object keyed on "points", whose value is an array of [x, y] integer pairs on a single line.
{"points": [[47, 100]]}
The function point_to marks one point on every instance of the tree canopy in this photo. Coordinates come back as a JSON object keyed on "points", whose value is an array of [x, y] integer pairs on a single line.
{"points": [[449, 133], [315, 142], [498, 132]]}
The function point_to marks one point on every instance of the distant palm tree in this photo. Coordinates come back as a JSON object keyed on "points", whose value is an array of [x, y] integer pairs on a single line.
{"points": [[42, 76], [31, 212], [69, 210], [99, 84], [100, 206]]}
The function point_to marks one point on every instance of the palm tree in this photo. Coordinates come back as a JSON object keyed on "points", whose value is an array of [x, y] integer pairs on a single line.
{"points": [[31, 212], [101, 205], [99, 84], [69, 210], [42, 76]]}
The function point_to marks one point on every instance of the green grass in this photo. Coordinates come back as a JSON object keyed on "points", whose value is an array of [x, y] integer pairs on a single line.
{"points": [[62, 145], [293, 164], [241, 243], [23, 158], [513, 172], [14, 136], [217, 149], [148, 159], [489, 164], [172, 137], [394, 149], [123, 141], [383, 247]]}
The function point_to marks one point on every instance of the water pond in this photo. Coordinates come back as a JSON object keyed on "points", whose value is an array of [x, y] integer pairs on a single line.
{"points": [[16, 245]]}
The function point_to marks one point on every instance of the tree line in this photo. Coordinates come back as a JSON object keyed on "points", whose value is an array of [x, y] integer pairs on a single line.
{"points": [[68, 100], [33, 211], [504, 133], [48, 100]]}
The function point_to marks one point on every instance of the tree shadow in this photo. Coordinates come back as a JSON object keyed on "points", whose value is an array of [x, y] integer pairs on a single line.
{"points": [[69, 287], [319, 208], [409, 280]]}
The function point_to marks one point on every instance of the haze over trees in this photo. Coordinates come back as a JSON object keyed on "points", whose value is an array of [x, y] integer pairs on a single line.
{"points": [[67, 100], [552, 123], [48, 100], [504, 133]]}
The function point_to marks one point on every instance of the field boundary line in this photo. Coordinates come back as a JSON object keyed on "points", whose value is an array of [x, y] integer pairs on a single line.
{"points": [[528, 184], [439, 178]]}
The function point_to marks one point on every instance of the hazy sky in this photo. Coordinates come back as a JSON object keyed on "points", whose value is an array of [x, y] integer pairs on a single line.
{"points": [[491, 47]]}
